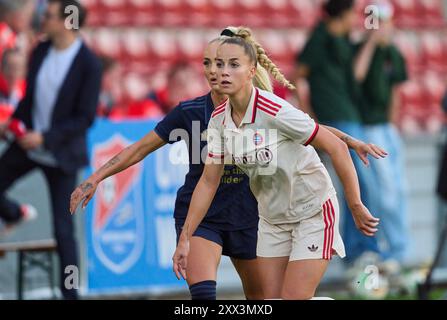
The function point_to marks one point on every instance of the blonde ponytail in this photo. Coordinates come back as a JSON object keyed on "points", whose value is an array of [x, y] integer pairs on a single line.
{"points": [[266, 65]]}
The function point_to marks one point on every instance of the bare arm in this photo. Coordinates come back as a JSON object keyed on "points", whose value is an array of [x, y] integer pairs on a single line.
{"points": [[361, 148], [395, 106], [344, 167], [201, 200], [363, 59], [123, 160]]}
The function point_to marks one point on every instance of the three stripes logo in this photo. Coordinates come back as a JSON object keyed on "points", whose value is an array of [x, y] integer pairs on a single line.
{"points": [[313, 248]]}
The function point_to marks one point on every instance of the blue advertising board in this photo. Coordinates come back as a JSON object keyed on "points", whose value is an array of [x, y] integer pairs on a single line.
{"points": [[129, 225]]}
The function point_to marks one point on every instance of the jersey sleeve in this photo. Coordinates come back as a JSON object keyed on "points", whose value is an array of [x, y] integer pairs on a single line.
{"points": [[170, 129], [215, 140], [296, 125]]}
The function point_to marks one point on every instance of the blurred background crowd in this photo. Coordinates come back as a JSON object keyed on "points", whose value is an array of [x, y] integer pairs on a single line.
{"points": [[145, 44]]}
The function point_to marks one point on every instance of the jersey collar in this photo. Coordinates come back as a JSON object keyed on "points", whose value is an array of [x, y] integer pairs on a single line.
{"points": [[250, 114]]}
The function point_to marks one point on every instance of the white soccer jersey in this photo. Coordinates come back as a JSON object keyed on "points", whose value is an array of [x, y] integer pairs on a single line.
{"points": [[271, 147]]}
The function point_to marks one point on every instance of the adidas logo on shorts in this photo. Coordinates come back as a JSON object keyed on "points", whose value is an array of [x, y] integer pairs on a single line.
{"points": [[313, 248]]}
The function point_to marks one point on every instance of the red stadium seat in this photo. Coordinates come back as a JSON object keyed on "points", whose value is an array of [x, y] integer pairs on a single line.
{"points": [[252, 13], [94, 17], [273, 43], [408, 43], [144, 13], [225, 13], [198, 12], [136, 54], [191, 45], [304, 12], [406, 13], [432, 13], [296, 40], [172, 13], [412, 104], [433, 51], [434, 89], [163, 47], [278, 13], [135, 86], [107, 42], [115, 12]]}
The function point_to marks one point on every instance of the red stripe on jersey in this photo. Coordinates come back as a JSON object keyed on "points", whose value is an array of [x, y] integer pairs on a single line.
{"points": [[332, 228], [255, 103], [312, 136], [260, 107], [264, 99], [217, 112], [222, 104], [268, 106], [330, 232], [219, 108], [218, 156], [326, 226]]}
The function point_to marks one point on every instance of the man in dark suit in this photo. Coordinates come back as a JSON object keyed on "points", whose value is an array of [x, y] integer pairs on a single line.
{"points": [[59, 106]]}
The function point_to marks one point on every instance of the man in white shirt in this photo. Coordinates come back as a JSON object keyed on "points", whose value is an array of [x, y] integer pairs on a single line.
{"points": [[59, 106]]}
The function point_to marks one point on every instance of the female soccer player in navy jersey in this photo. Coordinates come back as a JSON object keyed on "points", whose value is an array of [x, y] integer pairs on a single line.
{"points": [[230, 226], [272, 142]]}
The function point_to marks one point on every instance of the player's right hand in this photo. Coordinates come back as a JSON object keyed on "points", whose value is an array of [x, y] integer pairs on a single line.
{"points": [[180, 258], [364, 220], [84, 192]]}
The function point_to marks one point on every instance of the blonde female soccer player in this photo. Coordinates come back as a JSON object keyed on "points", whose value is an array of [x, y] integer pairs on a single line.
{"points": [[273, 143]]}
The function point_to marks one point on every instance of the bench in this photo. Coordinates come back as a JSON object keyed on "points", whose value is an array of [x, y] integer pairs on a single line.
{"points": [[32, 255]]}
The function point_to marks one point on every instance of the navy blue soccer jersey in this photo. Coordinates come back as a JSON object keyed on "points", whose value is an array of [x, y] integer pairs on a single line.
{"points": [[234, 207]]}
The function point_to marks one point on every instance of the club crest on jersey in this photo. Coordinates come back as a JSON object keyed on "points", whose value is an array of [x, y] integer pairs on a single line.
{"points": [[258, 139], [264, 156]]}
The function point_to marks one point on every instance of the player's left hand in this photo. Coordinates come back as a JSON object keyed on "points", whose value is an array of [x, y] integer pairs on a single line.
{"points": [[180, 258], [364, 149]]}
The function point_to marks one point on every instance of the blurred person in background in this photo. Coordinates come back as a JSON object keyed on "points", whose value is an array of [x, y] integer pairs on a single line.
{"points": [[183, 83], [327, 62], [60, 103], [380, 69], [12, 82], [110, 97], [15, 18]]}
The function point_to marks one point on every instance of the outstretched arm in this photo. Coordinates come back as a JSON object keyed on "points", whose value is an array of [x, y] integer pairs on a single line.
{"points": [[201, 200], [361, 148], [123, 160], [344, 167]]}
